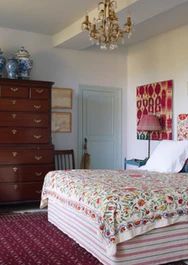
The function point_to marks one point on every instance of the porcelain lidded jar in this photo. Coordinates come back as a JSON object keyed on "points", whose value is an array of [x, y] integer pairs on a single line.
{"points": [[12, 68], [2, 62], [25, 63]]}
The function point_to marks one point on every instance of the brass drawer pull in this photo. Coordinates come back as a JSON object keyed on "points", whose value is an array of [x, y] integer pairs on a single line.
{"points": [[37, 121], [37, 136], [15, 169], [13, 115], [37, 106], [38, 158], [14, 154], [14, 89], [38, 174], [15, 186], [13, 102], [38, 191], [39, 91], [14, 131]]}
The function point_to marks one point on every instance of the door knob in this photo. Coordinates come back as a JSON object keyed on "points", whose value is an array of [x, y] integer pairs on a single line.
{"points": [[85, 144]]}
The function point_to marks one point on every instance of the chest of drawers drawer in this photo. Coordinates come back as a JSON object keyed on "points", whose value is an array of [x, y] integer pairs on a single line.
{"points": [[20, 191], [18, 135], [39, 93], [24, 105], [14, 92], [24, 119], [16, 173], [25, 156]]}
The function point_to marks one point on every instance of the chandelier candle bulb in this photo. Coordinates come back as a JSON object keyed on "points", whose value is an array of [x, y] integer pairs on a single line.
{"points": [[86, 24], [105, 30]]}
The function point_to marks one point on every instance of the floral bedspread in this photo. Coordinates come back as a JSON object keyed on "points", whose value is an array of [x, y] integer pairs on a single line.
{"points": [[123, 203]]}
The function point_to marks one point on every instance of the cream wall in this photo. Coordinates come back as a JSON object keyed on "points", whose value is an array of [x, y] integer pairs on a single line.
{"points": [[88, 68], [160, 58], [68, 68]]}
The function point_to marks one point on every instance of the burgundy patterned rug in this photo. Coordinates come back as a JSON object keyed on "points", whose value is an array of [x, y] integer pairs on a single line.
{"points": [[29, 239]]}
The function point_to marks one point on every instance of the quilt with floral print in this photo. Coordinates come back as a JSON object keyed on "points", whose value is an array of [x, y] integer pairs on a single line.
{"points": [[123, 203]]}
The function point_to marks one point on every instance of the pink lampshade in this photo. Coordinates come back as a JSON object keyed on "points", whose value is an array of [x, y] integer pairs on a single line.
{"points": [[149, 122]]}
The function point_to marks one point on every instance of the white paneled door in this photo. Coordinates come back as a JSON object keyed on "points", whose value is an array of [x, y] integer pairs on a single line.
{"points": [[100, 123]]}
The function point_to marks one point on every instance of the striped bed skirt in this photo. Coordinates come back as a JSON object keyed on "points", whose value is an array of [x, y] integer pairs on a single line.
{"points": [[158, 246]]}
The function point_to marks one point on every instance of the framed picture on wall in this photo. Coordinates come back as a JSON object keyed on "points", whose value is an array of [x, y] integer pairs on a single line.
{"points": [[61, 122], [61, 98]]}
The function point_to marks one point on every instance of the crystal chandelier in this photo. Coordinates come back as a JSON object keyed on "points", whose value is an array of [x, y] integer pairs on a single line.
{"points": [[105, 30]]}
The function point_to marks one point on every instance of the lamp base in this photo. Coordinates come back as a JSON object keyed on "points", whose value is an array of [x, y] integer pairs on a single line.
{"points": [[149, 133]]}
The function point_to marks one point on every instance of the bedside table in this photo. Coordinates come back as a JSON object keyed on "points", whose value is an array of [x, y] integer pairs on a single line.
{"points": [[134, 163]]}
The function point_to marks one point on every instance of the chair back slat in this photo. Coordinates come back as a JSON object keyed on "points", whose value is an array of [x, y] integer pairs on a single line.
{"points": [[64, 159]]}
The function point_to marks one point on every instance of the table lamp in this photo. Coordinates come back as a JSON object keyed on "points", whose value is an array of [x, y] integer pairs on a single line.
{"points": [[149, 123]]}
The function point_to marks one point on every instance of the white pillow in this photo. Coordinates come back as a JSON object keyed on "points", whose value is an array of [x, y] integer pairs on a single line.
{"points": [[169, 156]]}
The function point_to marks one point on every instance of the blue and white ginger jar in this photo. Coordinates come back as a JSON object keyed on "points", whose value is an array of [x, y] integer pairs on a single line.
{"points": [[2, 63], [12, 68], [25, 63]]}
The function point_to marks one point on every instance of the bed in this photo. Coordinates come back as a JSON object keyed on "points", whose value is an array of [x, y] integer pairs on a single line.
{"points": [[133, 217]]}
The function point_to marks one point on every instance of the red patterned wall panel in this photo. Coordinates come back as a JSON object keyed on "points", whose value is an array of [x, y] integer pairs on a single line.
{"points": [[182, 127], [156, 98]]}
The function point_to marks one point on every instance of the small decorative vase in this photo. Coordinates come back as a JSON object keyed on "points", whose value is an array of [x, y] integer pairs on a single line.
{"points": [[12, 68], [2, 63], [25, 63]]}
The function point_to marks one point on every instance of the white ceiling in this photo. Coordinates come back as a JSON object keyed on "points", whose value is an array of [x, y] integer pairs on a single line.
{"points": [[62, 18], [42, 16]]}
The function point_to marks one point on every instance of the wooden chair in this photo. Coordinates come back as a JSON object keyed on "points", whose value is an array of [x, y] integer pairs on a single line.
{"points": [[64, 159]]}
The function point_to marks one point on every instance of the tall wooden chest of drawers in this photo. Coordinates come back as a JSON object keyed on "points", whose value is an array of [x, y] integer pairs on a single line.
{"points": [[26, 151]]}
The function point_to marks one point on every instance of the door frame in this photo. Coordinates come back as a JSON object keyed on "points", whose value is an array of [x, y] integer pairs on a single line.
{"points": [[81, 88]]}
